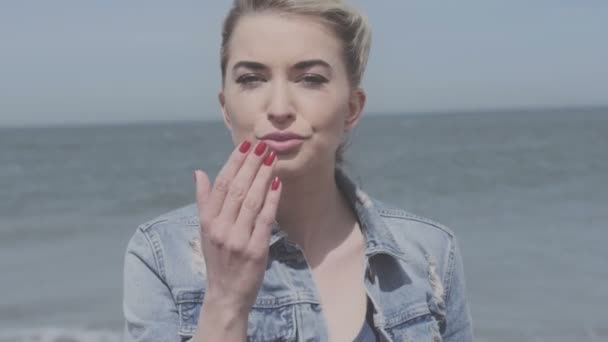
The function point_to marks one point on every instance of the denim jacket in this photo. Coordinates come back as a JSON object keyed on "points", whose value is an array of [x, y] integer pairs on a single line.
{"points": [[414, 277]]}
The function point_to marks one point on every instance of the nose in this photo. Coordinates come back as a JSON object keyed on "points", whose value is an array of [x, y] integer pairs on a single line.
{"points": [[280, 109]]}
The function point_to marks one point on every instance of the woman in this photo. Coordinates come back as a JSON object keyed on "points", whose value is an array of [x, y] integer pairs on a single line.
{"points": [[283, 246]]}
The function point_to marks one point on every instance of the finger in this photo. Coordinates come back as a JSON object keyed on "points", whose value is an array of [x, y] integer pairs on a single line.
{"points": [[254, 200], [260, 237], [222, 182], [202, 184], [241, 183]]}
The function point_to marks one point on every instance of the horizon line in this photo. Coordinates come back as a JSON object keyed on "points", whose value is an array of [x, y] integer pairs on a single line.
{"points": [[489, 111]]}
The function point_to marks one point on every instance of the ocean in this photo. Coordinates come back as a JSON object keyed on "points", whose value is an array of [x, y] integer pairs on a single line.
{"points": [[526, 193]]}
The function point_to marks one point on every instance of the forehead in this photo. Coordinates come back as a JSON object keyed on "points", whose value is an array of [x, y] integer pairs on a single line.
{"points": [[278, 39]]}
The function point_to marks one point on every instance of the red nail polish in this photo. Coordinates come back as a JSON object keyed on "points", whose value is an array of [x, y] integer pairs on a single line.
{"points": [[275, 183], [260, 148], [270, 158], [245, 145]]}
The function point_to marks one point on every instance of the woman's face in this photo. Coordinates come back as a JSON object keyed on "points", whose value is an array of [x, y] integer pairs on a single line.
{"points": [[286, 74]]}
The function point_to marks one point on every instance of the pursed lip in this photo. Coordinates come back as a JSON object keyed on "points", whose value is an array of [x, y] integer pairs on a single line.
{"points": [[282, 136], [283, 142]]}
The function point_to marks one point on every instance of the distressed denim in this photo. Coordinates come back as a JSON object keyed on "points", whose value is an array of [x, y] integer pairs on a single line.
{"points": [[414, 277]]}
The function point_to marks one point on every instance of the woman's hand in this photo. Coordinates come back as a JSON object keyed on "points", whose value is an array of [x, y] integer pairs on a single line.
{"points": [[236, 217]]}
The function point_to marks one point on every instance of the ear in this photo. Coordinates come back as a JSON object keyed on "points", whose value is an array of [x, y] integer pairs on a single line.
{"points": [[355, 107], [225, 114]]}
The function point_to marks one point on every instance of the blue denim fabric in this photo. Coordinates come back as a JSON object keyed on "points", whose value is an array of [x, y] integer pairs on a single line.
{"points": [[414, 277]]}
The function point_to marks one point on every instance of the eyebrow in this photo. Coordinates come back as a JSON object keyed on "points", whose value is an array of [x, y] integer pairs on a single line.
{"points": [[311, 63], [299, 66], [249, 65]]}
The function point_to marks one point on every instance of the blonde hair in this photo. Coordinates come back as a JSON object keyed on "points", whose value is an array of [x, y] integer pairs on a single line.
{"points": [[349, 25]]}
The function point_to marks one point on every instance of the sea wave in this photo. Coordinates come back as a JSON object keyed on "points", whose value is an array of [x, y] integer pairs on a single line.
{"points": [[59, 334]]}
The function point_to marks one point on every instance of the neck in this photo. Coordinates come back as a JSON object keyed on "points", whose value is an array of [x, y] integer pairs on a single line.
{"points": [[313, 212]]}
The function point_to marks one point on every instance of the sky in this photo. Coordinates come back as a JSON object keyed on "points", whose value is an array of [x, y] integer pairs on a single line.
{"points": [[73, 61]]}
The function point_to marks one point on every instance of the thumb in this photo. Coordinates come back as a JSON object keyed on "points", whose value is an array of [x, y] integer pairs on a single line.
{"points": [[203, 189]]}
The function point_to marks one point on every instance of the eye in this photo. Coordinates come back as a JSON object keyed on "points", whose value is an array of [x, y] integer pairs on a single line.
{"points": [[250, 80], [313, 80]]}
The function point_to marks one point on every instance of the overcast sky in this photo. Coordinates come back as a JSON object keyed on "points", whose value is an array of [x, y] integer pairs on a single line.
{"points": [[114, 60]]}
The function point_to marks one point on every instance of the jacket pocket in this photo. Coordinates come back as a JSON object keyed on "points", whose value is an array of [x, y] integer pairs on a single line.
{"points": [[270, 319], [417, 324], [272, 322], [189, 305]]}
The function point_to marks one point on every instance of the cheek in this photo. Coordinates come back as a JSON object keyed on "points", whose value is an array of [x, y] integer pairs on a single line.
{"points": [[242, 109], [325, 111], [322, 109]]}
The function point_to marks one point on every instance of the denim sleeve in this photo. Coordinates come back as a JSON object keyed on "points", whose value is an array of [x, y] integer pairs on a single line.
{"points": [[459, 325], [148, 306]]}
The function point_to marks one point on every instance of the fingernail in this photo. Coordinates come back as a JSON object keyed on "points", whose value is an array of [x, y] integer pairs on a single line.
{"points": [[245, 145], [260, 148], [275, 183], [270, 158]]}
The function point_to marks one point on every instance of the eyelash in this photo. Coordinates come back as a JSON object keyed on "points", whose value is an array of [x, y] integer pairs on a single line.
{"points": [[249, 80], [310, 80]]}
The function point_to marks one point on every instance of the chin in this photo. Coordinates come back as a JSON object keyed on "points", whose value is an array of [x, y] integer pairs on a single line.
{"points": [[297, 165], [293, 165], [289, 168]]}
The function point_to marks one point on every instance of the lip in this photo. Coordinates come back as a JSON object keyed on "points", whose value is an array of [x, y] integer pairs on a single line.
{"points": [[285, 145], [283, 142], [282, 136]]}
